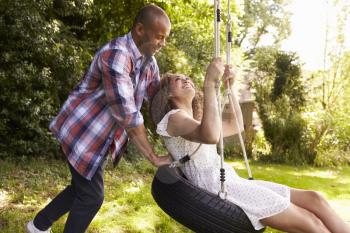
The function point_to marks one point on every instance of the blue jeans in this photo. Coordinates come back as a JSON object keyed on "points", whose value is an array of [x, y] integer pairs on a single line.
{"points": [[82, 199]]}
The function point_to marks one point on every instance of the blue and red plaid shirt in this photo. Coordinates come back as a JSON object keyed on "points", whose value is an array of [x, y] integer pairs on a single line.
{"points": [[105, 103]]}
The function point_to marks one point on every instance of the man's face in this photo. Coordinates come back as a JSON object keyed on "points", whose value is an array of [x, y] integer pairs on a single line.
{"points": [[154, 36]]}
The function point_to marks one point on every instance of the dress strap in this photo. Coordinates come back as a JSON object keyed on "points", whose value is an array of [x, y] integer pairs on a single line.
{"points": [[162, 126], [184, 159]]}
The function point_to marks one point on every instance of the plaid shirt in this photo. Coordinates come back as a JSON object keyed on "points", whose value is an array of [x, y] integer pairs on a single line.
{"points": [[105, 103]]}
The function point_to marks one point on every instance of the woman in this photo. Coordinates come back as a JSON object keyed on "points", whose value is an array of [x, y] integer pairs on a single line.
{"points": [[175, 111]]}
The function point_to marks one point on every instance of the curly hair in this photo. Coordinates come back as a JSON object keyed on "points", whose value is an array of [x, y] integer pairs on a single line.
{"points": [[161, 104]]}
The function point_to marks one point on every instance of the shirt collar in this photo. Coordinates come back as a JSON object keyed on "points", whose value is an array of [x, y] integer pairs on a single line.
{"points": [[135, 51]]}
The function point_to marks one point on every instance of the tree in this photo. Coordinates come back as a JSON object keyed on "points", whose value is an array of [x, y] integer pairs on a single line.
{"points": [[329, 93], [260, 18], [41, 60], [47, 45], [280, 98]]}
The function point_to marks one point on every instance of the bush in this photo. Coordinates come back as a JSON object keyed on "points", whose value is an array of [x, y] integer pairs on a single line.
{"points": [[331, 138], [280, 99], [41, 60], [47, 44]]}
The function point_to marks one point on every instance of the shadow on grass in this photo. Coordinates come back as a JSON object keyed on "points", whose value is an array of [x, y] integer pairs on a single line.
{"points": [[28, 186], [128, 207], [334, 183]]}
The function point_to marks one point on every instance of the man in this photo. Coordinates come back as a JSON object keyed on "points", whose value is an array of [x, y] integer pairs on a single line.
{"points": [[101, 113]]}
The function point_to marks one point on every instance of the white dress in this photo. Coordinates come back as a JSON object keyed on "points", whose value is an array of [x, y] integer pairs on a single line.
{"points": [[258, 199]]}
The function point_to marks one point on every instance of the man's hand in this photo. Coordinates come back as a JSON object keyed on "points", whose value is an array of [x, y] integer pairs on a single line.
{"points": [[162, 160], [139, 137]]}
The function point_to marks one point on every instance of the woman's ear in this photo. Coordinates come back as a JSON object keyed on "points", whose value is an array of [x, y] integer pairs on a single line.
{"points": [[169, 94]]}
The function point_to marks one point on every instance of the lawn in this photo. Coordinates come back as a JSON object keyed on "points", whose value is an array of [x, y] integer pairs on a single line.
{"points": [[27, 185]]}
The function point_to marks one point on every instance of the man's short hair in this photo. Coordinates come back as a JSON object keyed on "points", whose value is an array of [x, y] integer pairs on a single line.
{"points": [[149, 13]]}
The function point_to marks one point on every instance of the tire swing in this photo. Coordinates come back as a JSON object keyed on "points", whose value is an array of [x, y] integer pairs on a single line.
{"points": [[194, 207]]}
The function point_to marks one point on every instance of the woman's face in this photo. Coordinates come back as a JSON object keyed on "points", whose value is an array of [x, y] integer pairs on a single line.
{"points": [[181, 86]]}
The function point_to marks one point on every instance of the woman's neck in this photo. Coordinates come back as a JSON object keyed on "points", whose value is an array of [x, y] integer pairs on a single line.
{"points": [[185, 106]]}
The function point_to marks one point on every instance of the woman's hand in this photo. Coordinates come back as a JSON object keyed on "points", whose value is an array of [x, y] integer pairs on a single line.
{"points": [[229, 76], [214, 71]]}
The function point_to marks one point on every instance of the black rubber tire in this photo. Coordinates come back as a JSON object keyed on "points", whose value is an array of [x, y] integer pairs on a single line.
{"points": [[196, 208]]}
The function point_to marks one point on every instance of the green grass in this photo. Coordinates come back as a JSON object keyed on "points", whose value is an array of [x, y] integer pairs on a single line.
{"points": [[26, 186]]}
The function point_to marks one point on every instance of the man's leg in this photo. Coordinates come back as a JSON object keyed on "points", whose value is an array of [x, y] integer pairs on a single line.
{"points": [[87, 202], [59, 206], [64, 201]]}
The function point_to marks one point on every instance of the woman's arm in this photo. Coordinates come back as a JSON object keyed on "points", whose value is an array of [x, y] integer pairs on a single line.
{"points": [[206, 131], [229, 123], [230, 117]]}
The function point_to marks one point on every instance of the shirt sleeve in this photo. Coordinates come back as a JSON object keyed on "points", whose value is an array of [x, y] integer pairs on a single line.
{"points": [[153, 84], [116, 66]]}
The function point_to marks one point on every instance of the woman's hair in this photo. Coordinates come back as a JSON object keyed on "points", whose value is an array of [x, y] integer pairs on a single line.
{"points": [[161, 104]]}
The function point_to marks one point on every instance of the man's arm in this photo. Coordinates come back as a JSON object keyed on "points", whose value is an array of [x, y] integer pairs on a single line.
{"points": [[138, 136], [116, 66]]}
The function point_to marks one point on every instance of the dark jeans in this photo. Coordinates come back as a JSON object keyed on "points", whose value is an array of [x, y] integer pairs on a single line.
{"points": [[82, 199]]}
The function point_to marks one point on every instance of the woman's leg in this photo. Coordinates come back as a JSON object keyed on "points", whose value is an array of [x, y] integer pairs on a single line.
{"points": [[316, 204], [296, 220]]}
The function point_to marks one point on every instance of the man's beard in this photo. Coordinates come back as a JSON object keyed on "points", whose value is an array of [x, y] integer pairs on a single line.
{"points": [[147, 49]]}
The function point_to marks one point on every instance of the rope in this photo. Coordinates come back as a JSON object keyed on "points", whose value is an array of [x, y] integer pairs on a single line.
{"points": [[231, 97], [228, 93], [217, 13], [228, 90]]}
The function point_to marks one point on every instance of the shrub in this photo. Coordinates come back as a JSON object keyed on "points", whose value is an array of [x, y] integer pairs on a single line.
{"points": [[280, 97], [40, 61]]}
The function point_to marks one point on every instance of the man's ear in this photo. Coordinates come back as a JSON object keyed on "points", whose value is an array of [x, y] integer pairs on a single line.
{"points": [[139, 29]]}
